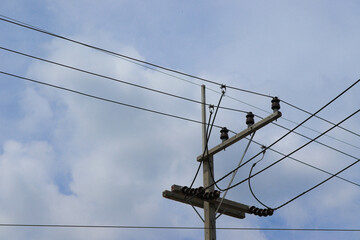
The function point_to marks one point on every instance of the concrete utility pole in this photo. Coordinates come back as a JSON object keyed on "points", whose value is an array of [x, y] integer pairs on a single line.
{"points": [[197, 196], [209, 208]]}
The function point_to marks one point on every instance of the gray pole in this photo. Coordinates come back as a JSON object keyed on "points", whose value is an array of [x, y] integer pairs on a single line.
{"points": [[209, 208]]}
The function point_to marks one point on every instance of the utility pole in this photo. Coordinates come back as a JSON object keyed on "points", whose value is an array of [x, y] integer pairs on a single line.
{"points": [[208, 163], [209, 200]]}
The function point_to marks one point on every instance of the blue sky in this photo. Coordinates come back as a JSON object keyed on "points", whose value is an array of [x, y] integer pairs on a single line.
{"points": [[69, 159]]}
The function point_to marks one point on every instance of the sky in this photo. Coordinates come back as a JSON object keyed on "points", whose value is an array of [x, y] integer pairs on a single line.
{"points": [[71, 159]]}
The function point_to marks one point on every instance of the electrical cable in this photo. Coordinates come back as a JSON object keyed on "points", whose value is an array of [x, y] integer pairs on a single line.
{"points": [[24, 25], [309, 165], [318, 142], [134, 60], [135, 85], [319, 184], [323, 119], [293, 129], [252, 193], [178, 227], [314, 139], [128, 83], [299, 148], [103, 99], [110, 78]]}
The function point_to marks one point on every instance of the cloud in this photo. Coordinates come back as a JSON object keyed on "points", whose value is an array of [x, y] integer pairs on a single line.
{"points": [[83, 161]]}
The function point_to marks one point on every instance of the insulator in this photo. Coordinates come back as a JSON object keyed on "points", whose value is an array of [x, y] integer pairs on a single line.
{"points": [[192, 191], [187, 191], [252, 209], [223, 88], [275, 104], [270, 211], [224, 134], [183, 189], [250, 119], [217, 194], [199, 190], [206, 195], [265, 212], [262, 212], [257, 211]]}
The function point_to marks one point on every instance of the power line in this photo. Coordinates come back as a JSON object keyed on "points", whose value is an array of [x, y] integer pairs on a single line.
{"points": [[323, 119], [21, 24], [134, 60], [319, 184], [103, 99], [112, 79], [309, 165], [132, 84], [323, 144], [299, 148], [129, 227], [278, 140]]}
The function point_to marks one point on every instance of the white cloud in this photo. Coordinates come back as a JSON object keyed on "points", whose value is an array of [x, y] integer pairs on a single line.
{"points": [[113, 162]]}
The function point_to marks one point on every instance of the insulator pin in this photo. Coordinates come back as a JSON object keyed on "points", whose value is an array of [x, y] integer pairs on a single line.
{"points": [[224, 134], [250, 119], [275, 104]]}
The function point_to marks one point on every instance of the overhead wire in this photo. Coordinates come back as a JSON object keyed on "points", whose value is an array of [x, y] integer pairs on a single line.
{"points": [[281, 138], [111, 78], [323, 119], [318, 142], [132, 84], [135, 60], [154, 65], [309, 165], [299, 148], [293, 129], [318, 185], [101, 98], [168, 115], [178, 227], [28, 26]]}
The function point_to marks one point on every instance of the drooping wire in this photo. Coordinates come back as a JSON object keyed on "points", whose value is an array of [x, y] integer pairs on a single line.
{"points": [[252, 167]]}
